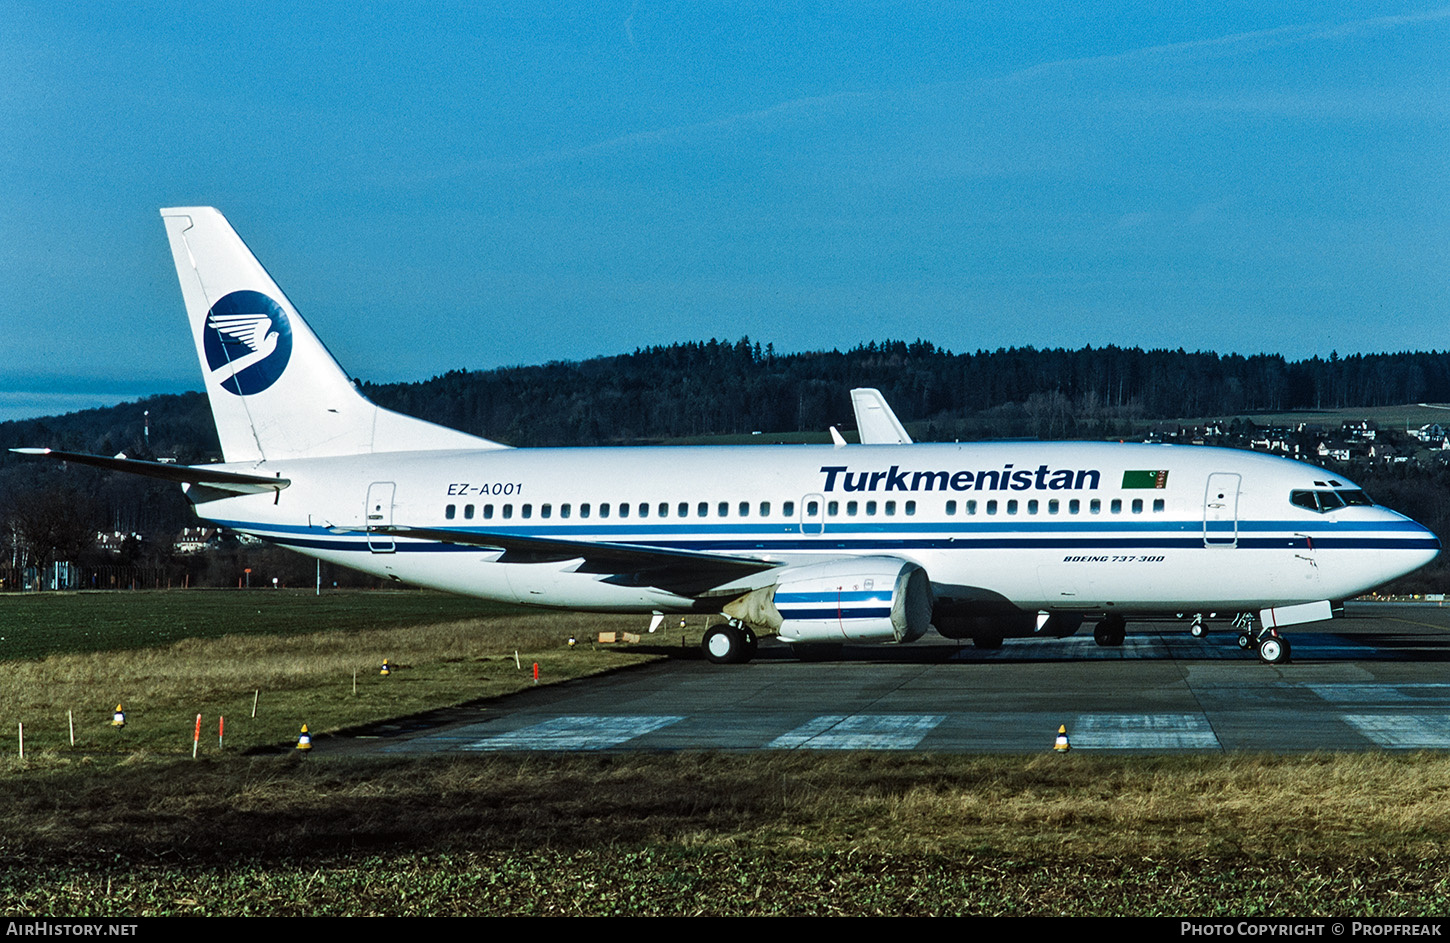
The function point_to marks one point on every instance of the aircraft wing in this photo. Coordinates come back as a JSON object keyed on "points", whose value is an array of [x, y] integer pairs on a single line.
{"points": [[202, 475], [875, 421], [677, 571]]}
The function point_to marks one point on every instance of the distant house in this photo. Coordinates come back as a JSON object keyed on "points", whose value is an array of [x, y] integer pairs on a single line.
{"points": [[1431, 432], [113, 542], [193, 539]]}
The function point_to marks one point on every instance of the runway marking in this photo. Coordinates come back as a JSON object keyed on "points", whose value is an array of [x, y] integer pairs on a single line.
{"points": [[1142, 732], [1429, 625], [576, 733], [1371, 693], [859, 732], [1404, 731]]}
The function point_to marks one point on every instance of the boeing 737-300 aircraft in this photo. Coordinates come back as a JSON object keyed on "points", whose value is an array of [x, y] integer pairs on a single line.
{"points": [[816, 545]]}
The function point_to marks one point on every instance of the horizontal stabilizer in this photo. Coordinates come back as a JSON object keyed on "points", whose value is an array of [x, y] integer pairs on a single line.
{"points": [[214, 478], [676, 571]]}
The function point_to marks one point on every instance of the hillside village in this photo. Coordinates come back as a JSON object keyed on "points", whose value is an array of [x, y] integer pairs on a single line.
{"points": [[1354, 443]]}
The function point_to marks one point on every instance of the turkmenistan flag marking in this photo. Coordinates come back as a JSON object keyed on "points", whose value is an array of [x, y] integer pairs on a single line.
{"points": [[1145, 479]]}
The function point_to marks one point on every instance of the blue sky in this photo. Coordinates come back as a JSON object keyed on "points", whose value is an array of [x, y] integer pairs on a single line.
{"points": [[472, 185]]}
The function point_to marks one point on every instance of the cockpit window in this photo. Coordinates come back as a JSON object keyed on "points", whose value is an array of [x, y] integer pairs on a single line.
{"points": [[1325, 501], [1303, 499]]}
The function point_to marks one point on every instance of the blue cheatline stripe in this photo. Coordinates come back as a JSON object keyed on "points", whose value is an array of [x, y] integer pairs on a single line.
{"points": [[966, 527], [793, 613], [318, 538], [829, 542]]}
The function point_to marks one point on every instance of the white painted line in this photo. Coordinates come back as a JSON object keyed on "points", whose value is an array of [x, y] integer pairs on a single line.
{"points": [[1404, 731], [859, 732], [1140, 732], [1369, 693], [576, 733]]}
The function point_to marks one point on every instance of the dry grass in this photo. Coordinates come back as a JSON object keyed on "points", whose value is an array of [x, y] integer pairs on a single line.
{"points": [[293, 679], [732, 834]]}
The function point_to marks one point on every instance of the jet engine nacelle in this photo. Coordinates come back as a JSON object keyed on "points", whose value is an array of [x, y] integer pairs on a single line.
{"points": [[866, 599]]}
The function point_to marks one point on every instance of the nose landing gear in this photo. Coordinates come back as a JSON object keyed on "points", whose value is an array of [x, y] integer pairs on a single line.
{"points": [[1273, 648]]}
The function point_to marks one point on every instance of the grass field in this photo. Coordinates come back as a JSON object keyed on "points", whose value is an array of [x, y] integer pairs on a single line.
{"points": [[126, 823]]}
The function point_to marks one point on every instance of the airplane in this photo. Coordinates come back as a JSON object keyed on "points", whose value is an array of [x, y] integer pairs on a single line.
{"points": [[815, 545]]}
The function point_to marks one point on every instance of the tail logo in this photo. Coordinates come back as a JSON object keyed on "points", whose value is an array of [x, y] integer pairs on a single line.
{"points": [[248, 341]]}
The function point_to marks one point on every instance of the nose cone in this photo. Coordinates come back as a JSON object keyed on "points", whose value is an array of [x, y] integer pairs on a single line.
{"points": [[1419, 545]]}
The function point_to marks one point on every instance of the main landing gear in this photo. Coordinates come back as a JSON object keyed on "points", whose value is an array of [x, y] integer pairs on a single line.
{"points": [[731, 643], [1111, 631], [1273, 648]]}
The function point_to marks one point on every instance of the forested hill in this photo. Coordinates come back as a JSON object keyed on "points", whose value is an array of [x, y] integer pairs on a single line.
{"points": [[716, 387], [719, 387]]}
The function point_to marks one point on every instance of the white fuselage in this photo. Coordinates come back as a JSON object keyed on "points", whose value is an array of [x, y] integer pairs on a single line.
{"points": [[1086, 527]]}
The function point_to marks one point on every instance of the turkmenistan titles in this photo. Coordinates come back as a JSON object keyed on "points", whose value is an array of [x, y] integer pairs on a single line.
{"points": [[1006, 478], [1145, 479]]}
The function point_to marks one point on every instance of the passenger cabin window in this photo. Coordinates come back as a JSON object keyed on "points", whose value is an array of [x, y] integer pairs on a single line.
{"points": [[788, 509], [450, 511]]}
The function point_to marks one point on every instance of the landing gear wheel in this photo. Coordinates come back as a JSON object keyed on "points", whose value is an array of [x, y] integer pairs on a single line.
{"points": [[1111, 632], [1273, 650], [727, 645], [752, 644], [1198, 629], [1245, 641]]}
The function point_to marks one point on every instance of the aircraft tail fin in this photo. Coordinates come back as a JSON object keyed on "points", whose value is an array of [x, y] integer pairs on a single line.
{"points": [[875, 421], [275, 391]]}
